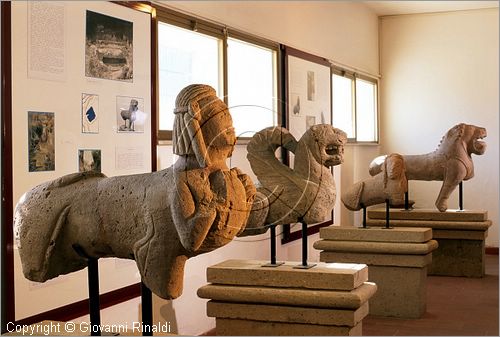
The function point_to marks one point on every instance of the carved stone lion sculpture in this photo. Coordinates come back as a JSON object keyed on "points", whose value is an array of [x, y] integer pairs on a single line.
{"points": [[390, 184], [451, 162], [305, 192], [159, 219]]}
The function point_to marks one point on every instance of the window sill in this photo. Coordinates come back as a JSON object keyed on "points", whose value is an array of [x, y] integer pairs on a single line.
{"points": [[164, 142], [363, 143], [240, 141]]}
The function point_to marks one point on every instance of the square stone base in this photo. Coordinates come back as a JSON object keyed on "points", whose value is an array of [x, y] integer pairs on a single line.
{"points": [[248, 299], [397, 260], [287, 314], [401, 290], [461, 236], [457, 257], [238, 327]]}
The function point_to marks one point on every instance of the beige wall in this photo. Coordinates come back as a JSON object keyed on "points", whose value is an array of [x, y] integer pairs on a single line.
{"points": [[439, 70], [341, 31]]}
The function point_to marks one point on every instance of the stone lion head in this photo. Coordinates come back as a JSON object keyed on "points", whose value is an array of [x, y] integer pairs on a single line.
{"points": [[470, 136], [326, 144]]}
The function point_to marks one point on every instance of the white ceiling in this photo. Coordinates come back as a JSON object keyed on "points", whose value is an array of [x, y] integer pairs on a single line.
{"points": [[382, 8]]}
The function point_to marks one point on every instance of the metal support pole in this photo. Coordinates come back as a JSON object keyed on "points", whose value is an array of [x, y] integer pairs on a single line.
{"points": [[147, 310], [273, 244], [387, 222], [94, 307], [304, 244], [364, 215], [461, 196], [272, 238], [304, 264], [407, 201]]}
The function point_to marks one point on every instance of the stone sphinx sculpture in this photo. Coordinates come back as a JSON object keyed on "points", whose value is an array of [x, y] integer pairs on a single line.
{"points": [[159, 219], [390, 184], [305, 192], [451, 162]]}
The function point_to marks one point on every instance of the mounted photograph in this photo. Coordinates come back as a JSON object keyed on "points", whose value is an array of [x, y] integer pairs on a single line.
{"points": [[90, 113], [89, 160], [108, 47], [130, 115], [41, 135]]}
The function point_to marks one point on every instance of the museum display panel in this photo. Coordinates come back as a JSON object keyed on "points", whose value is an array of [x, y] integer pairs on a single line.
{"points": [[78, 104]]}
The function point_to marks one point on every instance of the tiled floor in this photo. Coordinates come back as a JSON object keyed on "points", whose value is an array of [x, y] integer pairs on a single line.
{"points": [[456, 306]]}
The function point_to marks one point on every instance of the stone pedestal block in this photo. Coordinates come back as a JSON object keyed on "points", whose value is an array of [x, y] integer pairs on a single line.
{"points": [[461, 236], [248, 299], [397, 260]]}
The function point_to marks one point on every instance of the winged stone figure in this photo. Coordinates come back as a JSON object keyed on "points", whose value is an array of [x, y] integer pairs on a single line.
{"points": [[306, 191]]}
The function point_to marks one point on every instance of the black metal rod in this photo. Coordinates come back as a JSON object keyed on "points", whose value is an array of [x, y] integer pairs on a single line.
{"points": [[94, 306], [461, 196], [387, 213], [304, 243], [147, 310], [273, 244], [407, 201], [364, 215]]}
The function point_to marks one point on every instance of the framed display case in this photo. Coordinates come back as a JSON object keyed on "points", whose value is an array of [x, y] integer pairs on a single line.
{"points": [[307, 80]]}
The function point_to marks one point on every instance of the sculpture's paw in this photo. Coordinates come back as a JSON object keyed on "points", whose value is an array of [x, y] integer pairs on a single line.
{"points": [[248, 184], [442, 206], [257, 219], [218, 184]]}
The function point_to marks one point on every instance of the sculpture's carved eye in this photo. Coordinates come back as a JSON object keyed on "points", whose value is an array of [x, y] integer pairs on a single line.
{"points": [[332, 150]]}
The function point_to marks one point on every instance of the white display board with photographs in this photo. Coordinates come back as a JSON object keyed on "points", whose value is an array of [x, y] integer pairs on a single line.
{"points": [[309, 94], [81, 98]]}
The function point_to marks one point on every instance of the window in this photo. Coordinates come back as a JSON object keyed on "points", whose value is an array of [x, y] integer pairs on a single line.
{"points": [[251, 87], [366, 111], [243, 70], [342, 104], [354, 105], [184, 57]]}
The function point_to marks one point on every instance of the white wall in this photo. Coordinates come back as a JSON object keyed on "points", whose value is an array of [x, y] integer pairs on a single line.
{"points": [[439, 70], [341, 31]]}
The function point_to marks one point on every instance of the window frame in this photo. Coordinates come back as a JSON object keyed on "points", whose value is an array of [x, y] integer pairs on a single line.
{"points": [[222, 32], [338, 71]]}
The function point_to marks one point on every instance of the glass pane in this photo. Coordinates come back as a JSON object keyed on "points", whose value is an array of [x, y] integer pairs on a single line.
{"points": [[184, 57], [342, 107], [366, 111], [251, 87]]}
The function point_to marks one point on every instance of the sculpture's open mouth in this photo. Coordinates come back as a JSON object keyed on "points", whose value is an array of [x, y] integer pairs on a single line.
{"points": [[335, 155], [332, 149], [478, 144]]}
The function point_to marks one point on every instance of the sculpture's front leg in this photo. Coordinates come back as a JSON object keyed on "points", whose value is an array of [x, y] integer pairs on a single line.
{"points": [[193, 208], [454, 174]]}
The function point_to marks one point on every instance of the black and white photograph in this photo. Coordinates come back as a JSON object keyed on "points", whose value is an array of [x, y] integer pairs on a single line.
{"points": [[310, 121], [108, 47], [90, 113], [130, 116], [309, 92], [311, 86], [89, 160], [41, 140], [295, 99]]}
